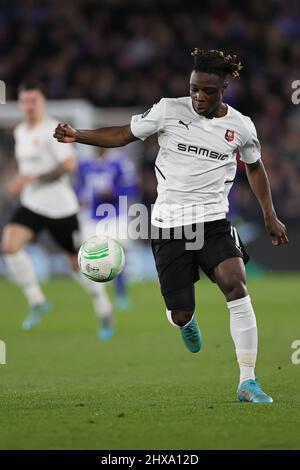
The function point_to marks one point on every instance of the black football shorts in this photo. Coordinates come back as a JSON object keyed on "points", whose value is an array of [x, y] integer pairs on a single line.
{"points": [[178, 267], [64, 230]]}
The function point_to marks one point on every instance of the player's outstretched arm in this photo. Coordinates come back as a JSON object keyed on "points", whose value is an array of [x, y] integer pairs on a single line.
{"points": [[260, 186], [108, 137]]}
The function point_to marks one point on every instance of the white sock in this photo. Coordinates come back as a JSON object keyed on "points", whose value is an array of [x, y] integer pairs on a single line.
{"points": [[102, 305], [22, 272], [244, 334]]}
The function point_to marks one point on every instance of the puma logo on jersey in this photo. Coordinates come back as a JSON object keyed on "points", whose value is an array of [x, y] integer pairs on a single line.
{"points": [[186, 124], [202, 151]]}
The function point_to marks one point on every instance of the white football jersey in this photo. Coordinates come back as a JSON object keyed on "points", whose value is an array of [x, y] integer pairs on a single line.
{"points": [[37, 152], [196, 163]]}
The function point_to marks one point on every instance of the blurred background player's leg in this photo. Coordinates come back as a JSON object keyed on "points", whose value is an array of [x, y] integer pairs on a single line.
{"points": [[104, 178], [102, 305], [116, 227], [19, 264], [66, 233], [122, 299], [121, 281]]}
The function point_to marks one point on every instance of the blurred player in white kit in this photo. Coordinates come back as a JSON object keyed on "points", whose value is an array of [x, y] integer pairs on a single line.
{"points": [[49, 203]]}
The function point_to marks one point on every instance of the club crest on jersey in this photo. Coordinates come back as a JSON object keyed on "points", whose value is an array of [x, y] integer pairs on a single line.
{"points": [[229, 135]]}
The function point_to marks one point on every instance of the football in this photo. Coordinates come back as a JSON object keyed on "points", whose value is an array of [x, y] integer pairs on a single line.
{"points": [[101, 259]]}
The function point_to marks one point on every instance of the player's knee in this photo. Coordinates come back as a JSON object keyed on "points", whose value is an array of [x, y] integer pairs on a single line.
{"points": [[236, 290], [181, 317], [180, 305]]}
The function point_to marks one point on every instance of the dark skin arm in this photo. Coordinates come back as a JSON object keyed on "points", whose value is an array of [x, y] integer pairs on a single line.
{"points": [[108, 137], [260, 186]]}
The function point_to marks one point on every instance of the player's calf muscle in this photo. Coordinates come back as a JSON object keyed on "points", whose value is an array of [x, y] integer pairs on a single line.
{"points": [[233, 288], [230, 275]]}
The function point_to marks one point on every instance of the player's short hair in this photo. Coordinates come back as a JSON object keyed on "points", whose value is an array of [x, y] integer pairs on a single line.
{"points": [[32, 85], [216, 62]]}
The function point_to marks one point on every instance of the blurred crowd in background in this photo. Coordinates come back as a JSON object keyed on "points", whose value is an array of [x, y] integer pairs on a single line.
{"points": [[118, 53]]}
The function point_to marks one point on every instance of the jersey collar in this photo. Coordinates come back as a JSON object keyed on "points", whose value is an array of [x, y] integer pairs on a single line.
{"points": [[203, 117]]}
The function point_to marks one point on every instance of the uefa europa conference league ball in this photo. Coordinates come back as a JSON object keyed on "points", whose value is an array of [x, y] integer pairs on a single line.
{"points": [[101, 259]]}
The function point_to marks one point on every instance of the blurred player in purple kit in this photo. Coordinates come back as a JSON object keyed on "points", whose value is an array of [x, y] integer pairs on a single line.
{"points": [[103, 181]]}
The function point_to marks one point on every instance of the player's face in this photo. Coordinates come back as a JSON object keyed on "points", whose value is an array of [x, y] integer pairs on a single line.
{"points": [[32, 104], [206, 90]]}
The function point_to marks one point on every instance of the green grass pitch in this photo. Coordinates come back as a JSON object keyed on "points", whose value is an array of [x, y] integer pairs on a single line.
{"points": [[63, 389]]}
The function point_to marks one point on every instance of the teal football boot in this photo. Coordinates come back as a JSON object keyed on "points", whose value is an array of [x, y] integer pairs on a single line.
{"points": [[36, 313], [106, 330], [191, 336], [122, 303], [250, 391]]}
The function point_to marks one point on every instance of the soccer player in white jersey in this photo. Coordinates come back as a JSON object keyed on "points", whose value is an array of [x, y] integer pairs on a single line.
{"points": [[47, 202], [200, 137]]}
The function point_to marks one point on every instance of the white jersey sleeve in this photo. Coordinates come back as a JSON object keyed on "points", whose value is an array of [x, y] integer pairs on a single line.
{"points": [[149, 123], [250, 151]]}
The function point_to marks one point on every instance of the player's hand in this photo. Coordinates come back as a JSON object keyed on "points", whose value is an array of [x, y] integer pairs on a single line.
{"points": [[18, 182], [65, 133], [277, 230]]}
